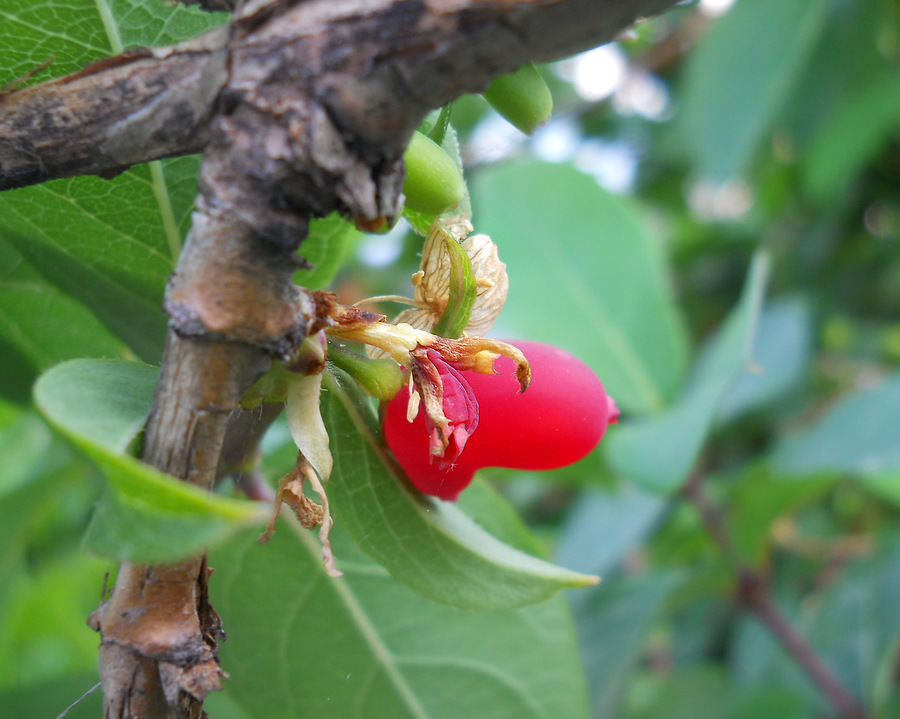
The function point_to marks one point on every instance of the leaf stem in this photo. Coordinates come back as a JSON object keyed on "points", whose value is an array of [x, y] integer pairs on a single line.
{"points": [[754, 595]]}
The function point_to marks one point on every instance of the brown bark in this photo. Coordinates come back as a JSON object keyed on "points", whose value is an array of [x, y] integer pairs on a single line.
{"points": [[302, 108], [377, 64]]}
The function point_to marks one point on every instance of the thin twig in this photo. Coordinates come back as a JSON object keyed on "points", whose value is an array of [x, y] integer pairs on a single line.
{"points": [[78, 701], [754, 594]]}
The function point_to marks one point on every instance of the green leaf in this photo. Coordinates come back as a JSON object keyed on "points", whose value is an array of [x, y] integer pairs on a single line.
{"points": [[659, 452], [584, 275], [51, 698], [425, 543], [864, 122], [436, 123], [462, 289], [325, 247], [614, 622], [110, 244], [858, 436], [370, 647], [43, 630], [760, 499], [782, 353], [602, 528], [847, 56], [32, 472], [489, 510], [697, 691], [852, 625], [146, 516], [48, 327], [739, 77]]}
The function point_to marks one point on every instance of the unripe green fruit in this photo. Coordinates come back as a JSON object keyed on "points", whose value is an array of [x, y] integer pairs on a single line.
{"points": [[433, 182], [522, 97]]}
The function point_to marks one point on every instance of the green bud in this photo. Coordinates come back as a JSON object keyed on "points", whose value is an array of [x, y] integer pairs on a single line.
{"points": [[433, 181], [522, 97], [381, 378]]}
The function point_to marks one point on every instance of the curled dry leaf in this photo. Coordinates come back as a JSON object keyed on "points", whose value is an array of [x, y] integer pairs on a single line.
{"points": [[308, 513]]}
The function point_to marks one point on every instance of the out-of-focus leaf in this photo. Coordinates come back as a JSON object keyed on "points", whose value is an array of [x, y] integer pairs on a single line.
{"points": [[30, 474], [658, 453], [779, 360], [769, 701], [425, 543], [222, 705], [603, 527], [853, 626], [111, 244], [857, 436], [847, 56], [739, 76], [48, 327], [699, 691], [584, 275], [762, 497], [43, 633], [373, 648], [145, 515], [325, 247], [861, 124], [103, 403], [613, 623], [704, 691], [52, 698]]}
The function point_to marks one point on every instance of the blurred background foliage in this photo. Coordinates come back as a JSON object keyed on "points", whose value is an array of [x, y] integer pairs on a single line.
{"points": [[711, 220]]}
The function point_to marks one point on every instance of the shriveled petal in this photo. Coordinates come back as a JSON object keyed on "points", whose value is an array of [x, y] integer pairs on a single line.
{"points": [[478, 354], [491, 281], [451, 408]]}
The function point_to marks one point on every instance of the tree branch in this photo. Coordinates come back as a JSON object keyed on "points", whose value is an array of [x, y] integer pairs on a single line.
{"points": [[139, 106], [753, 593], [378, 65]]}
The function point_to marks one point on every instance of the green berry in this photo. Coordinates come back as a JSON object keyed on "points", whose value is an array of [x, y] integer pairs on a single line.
{"points": [[433, 183], [521, 97]]}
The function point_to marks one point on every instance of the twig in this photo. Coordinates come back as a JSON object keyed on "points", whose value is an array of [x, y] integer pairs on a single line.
{"points": [[753, 594], [78, 701]]}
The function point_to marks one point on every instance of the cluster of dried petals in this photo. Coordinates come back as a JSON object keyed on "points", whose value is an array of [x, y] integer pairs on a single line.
{"points": [[434, 362]]}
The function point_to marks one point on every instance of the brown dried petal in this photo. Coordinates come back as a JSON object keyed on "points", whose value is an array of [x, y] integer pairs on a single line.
{"points": [[478, 353]]}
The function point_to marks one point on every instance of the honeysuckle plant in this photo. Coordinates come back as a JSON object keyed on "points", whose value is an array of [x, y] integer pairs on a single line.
{"points": [[748, 499], [460, 289]]}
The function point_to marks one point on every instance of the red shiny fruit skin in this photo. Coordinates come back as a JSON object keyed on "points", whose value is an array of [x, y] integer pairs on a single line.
{"points": [[558, 420]]}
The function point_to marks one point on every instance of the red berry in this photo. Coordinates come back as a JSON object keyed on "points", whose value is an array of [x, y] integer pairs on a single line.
{"points": [[557, 421]]}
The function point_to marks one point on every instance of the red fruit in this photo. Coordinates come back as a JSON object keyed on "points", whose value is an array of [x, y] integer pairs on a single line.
{"points": [[558, 420]]}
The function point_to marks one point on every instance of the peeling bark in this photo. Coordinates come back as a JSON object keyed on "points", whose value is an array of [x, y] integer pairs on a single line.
{"points": [[302, 107]]}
